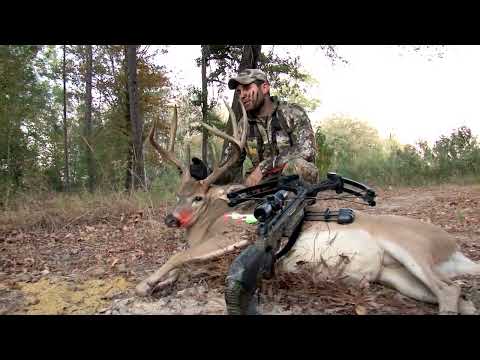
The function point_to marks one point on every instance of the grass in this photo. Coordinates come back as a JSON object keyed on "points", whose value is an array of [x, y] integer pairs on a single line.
{"points": [[53, 211]]}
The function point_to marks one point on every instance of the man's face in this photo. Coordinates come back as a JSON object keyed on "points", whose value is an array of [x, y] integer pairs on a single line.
{"points": [[252, 95]]}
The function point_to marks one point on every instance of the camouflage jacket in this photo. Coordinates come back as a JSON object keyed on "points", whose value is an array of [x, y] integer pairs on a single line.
{"points": [[275, 140]]}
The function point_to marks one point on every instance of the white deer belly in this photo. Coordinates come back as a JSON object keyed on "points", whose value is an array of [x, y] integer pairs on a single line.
{"points": [[352, 249]]}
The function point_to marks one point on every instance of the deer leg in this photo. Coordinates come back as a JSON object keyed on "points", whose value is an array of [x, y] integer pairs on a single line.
{"points": [[458, 264], [202, 252], [144, 289], [466, 307], [172, 277], [447, 293], [404, 282]]}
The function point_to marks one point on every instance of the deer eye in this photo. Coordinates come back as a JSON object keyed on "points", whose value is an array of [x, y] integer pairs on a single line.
{"points": [[197, 198]]}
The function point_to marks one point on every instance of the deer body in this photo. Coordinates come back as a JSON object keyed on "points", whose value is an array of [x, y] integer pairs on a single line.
{"points": [[415, 258]]}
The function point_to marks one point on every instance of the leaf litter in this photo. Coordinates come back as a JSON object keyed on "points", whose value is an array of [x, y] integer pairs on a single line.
{"points": [[92, 264]]}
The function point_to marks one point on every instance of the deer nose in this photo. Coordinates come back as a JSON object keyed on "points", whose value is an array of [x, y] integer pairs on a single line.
{"points": [[171, 221]]}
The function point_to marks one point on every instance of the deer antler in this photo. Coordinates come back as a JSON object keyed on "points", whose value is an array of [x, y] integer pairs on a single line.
{"points": [[238, 140], [169, 155]]}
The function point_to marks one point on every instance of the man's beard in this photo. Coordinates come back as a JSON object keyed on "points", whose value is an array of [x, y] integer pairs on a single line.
{"points": [[257, 103]]}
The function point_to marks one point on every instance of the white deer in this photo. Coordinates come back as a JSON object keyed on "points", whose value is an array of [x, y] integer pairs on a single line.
{"points": [[417, 259]]}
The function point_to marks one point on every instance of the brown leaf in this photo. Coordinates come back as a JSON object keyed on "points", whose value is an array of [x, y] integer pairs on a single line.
{"points": [[361, 310]]}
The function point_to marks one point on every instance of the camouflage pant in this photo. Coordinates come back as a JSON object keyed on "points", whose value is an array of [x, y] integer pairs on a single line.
{"points": [[307, 171]]}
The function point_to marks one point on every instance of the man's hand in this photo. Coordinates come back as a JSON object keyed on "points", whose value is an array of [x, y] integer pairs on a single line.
{"points": [[254, 178]]}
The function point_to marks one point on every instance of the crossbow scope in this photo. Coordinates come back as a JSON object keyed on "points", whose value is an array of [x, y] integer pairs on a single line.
{"points": [[272, 204]]}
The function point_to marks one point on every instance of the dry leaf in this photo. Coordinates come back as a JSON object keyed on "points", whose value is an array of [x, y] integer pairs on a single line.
{"points": [[361, 310]]}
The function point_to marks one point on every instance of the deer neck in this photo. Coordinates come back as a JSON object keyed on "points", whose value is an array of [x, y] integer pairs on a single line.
{"points": [[202, 229]]}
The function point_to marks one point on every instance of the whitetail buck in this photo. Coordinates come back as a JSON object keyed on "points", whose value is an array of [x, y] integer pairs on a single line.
{"points": [[417, 259]]}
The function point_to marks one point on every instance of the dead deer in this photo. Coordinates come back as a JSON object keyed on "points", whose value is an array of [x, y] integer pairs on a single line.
{"points": [[417, 259], [200, 206]]}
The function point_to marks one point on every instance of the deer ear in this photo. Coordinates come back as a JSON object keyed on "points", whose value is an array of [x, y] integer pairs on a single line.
{"points": [[230, 189], [222, 193], [198, 169], [235, 187]]}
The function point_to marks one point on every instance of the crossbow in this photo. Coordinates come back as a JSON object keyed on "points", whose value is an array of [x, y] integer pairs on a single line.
{"points": [[280, 212]]}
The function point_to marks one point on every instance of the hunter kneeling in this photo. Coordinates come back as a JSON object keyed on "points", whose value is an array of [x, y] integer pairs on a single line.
{"points": [[280, 137]]}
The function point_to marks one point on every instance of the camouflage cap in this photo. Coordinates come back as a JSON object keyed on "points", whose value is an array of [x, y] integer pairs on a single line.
{"points": [[245, 77]]}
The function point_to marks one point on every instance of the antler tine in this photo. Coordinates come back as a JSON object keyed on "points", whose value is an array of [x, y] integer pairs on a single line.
{"points": [[234, 119], [188, 153], [186, 176], [213, 151], [220, 133], [235, 138], [238, 148], [167, 155], [173, 130], [245, 127]]}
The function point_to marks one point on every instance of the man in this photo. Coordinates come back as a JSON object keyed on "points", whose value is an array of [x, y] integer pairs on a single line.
{"points": [[280, 139]]}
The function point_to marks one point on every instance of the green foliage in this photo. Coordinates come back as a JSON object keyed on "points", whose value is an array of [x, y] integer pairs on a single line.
{"points": [[355, 145], [293, 90], [457, 155], [325, 153], [32, 133], [27, 126], [111, 129], [354, 149], [164, 181], [31, 114], [289, 81]]}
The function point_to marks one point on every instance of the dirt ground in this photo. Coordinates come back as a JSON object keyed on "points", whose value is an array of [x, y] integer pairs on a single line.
{"points": [[92, 267]]}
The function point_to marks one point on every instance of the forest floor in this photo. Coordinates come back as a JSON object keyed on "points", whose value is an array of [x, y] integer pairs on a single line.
{"points": [[91, 264]]}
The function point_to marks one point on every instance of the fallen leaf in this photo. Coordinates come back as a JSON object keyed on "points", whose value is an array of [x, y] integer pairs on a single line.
{"points": [[361, 310]]}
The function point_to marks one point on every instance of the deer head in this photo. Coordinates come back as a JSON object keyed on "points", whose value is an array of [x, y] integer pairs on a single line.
{"points": [[195, 196]]}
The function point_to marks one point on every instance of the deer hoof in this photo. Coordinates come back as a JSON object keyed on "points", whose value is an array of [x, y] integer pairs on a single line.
{"points": [[143, 289], [466, 307]]}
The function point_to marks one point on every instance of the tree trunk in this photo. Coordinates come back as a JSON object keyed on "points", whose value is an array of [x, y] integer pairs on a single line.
{"points": [[204, 103], [65, 130], [88, 121], [250, 58], [135, 118], [128, 128], [9, 167]]}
